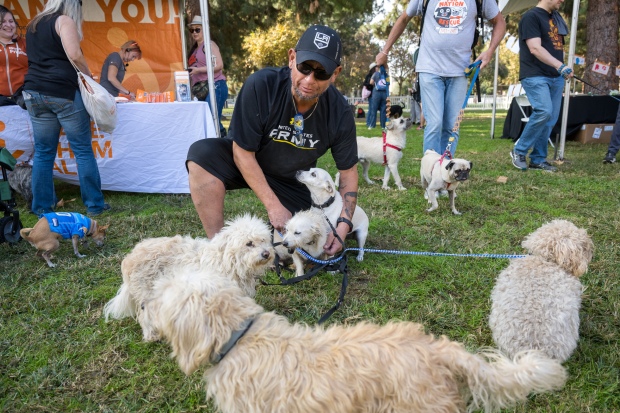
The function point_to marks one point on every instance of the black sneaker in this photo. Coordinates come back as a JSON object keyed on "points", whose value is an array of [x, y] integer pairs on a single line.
{"points": [[544, 165], [609, 158], [518, 161], [106, 207]]}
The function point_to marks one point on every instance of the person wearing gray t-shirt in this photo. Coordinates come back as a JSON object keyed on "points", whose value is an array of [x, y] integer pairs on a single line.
{"points": [[445, 53]]}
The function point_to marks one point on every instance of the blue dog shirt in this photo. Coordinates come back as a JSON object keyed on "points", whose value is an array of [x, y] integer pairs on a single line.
{"points": [[68, 224]]}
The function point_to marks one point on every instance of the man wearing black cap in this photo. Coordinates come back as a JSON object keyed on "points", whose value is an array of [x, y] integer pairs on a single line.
{"points": [[284, 120]]}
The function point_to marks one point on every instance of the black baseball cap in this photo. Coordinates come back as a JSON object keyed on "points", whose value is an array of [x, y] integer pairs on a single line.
{"points": [[321, 44]]}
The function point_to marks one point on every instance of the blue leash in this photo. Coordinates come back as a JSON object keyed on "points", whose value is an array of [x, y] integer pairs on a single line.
{"points": [[435, 254]]}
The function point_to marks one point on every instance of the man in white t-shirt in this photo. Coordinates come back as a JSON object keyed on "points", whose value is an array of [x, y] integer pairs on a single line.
{"points": [[445, 53]]}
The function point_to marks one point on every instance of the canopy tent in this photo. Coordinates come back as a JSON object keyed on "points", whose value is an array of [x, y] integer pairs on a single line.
{"points": [[511, 6], [156, 25]]}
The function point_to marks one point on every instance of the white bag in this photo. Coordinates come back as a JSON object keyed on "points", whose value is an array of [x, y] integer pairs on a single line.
{"points": [[98, 102], [100, 105], [365, 92]]}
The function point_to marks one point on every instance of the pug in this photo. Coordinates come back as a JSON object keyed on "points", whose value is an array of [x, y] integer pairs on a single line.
{"points": [[439, 173]]}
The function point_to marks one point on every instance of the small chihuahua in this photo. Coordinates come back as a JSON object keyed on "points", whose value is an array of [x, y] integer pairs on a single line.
{"points": [[47, 232]]}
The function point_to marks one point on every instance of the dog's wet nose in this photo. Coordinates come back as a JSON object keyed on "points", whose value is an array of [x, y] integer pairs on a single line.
{"points": [[266, 254]]}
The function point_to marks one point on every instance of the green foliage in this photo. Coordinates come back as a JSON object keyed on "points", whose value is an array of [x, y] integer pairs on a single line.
{"points": [[58, 355]]}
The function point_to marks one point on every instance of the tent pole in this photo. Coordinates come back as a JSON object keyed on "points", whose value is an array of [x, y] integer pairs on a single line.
{"points": [[495, 74], [571, 59], [204, 12], [182, 5]]}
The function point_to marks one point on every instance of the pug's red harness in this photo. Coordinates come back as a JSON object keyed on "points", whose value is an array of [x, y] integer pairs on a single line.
{"points": [[446, 154], [388, 145]]}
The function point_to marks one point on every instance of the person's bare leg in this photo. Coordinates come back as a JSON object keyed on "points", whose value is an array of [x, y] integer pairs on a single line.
{"points": [[208, 196]]}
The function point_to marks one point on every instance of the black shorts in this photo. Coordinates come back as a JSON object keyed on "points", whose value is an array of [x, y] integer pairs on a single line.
{"points": [[216, 157]]}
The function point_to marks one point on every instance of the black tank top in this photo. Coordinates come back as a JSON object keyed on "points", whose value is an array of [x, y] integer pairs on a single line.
{"points": [[49, 70]]}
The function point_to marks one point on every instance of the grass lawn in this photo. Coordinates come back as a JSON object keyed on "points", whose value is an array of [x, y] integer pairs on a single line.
{"points": [[58, 355]]}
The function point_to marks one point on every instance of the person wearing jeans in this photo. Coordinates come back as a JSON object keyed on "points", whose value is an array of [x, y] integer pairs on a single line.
{"points": [[542, 75], [378, 103], [48, 114], [614, 143], [441, 114], [53, 101], [445, 52]]}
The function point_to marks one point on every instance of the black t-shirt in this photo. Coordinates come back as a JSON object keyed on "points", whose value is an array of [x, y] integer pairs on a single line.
{"points": [[262, 123], [537, 22], [49, 70]]}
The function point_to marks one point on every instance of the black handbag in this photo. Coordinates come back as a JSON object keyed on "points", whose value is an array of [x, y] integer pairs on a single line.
{"points": [[200, 90]]}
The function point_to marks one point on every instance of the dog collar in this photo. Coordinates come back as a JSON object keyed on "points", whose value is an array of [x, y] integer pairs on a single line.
{"points": [[234, 337], [325, 204]]}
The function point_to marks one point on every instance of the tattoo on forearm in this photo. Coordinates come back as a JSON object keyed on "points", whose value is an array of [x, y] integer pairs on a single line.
{"points": [[350, 201]]}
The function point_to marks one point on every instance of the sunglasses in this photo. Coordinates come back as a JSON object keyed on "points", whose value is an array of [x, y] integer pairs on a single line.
{"points": [[196, 30], [319, 74]]}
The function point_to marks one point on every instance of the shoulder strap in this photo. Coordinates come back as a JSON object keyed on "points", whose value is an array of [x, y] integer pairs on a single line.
{"points": [[424, 6], [479, 23]]}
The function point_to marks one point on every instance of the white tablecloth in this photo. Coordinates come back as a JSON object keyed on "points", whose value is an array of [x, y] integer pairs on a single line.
{"points": [[145, 153]]}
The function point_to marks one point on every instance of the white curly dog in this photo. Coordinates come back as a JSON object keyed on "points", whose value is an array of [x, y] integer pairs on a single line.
{"points": [[259, 362], [536, 299], [241, 251]]}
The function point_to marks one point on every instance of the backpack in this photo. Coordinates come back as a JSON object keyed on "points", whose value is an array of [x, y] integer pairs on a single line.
{"points": [[383, 82]]}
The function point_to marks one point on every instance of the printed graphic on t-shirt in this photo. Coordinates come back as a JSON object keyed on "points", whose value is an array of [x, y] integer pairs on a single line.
{"points": [[556, 39], [450, 15], [287, 134]]}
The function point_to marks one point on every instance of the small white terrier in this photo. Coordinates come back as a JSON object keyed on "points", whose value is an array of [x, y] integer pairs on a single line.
{"points": [[306, 230], [323, 192], [373, 150]]}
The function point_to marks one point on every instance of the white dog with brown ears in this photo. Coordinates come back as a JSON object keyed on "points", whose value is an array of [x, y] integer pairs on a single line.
{"points": [[386, 151], [258, 362], [241, 251], [536, 299], [438, 172], [327, 199]]}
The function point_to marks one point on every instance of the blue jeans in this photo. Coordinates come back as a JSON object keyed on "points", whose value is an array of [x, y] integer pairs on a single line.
{"points": [[48, 114], [442, 101], [614, 143], [221, 94], [545, 95], [377, 101]]}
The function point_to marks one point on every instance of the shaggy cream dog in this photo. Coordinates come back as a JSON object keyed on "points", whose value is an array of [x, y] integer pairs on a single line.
{"points": [[241, 251], [258, 362], [380, 150], [536, 300], [306, 230], [327, 199]]}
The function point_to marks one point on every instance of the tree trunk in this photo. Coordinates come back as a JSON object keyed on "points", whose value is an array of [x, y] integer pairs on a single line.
{"points": [[602, 41]]}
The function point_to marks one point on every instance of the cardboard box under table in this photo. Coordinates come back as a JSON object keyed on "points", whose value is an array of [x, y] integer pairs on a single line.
{"points": [[594, 133]]}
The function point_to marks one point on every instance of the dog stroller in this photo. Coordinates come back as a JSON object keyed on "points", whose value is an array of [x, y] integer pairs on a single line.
{"points": [[10, 225]]}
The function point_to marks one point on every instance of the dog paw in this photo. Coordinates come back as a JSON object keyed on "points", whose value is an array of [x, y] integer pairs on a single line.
{"points": [[387, 188], [431, 209], [80, 255], [51, 264], [402, 188], [455, 212]]}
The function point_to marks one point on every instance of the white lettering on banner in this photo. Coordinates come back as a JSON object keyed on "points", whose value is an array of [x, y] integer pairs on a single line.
{"points": [[110, 11]]}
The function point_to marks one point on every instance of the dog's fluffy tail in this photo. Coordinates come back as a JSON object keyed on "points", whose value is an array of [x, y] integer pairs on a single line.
{"points": [[121, 306], [502, 382]]}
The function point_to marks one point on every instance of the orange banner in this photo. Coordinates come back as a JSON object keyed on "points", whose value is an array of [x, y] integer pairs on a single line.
{"points": [[154, 24]]}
